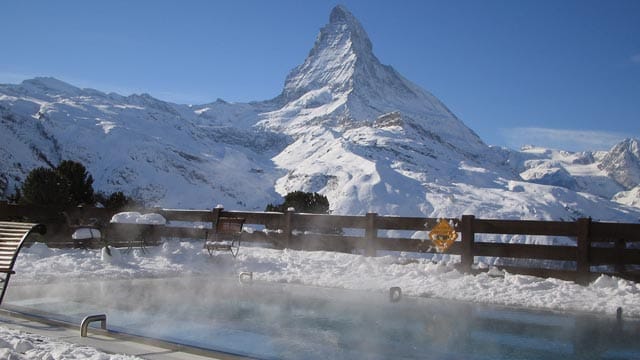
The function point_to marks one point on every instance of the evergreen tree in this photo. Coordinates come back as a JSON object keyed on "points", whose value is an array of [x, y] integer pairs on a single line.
{"points": [[16, 198], [80, 182], [67, 185], [304, 202], [44, 186], [116, 201]]}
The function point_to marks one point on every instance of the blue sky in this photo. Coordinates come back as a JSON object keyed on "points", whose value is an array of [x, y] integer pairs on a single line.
{"points": [[557, 73]]}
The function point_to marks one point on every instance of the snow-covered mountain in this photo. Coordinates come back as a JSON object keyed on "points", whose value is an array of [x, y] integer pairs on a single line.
{"points": [[345, 125], [613, 174], [164, 153]]}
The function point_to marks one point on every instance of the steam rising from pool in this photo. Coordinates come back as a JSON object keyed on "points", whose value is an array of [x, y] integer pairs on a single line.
{"points": [[293, 322]]}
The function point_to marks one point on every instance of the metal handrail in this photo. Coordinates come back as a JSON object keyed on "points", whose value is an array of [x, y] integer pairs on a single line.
{"points": [[92, 318], [245, 277]]}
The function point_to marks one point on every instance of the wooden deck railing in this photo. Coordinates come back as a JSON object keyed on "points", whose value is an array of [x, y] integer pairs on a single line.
{"points": [[589, 244]]}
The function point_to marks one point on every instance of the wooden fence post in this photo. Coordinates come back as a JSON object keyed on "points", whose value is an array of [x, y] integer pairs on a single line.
{"points": [[288, 228], [215, 216], [370, 235], [583, 266], [468, 238]]}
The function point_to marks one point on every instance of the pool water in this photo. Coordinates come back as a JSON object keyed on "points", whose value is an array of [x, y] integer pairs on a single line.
{"points": [[283, 321]]}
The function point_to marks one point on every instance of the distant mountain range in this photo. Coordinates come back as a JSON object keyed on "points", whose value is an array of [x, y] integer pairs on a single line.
{"points": [[344, 125]]}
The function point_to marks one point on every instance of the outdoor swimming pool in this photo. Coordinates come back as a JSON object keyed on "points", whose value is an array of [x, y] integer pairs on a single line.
{"points": [[284, 321]]}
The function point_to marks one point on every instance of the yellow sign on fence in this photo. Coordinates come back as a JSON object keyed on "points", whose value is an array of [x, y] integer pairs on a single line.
{"points": [[443, 235]]}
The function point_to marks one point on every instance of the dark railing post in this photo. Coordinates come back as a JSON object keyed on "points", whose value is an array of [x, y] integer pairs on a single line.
{"points": [[215, 216], [288, 228], [468, 238], [620, 246], [582, 255], [370, 235]]}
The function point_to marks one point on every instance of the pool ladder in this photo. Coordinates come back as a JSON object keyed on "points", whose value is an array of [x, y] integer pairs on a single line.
{"points": [[395, 294], [84, 326], [245, 277]]}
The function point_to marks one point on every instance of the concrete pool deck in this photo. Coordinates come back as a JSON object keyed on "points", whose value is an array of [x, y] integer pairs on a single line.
{"points": [[108, 341]]}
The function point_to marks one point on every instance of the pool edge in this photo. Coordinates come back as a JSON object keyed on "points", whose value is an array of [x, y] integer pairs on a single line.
{"points": [[105, 340]]}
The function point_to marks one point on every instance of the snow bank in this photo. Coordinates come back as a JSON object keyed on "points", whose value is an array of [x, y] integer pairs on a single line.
{"points": [[15, 344], [416, 277]]}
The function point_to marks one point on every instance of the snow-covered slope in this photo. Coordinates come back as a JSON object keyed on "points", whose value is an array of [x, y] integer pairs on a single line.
{"points": [[613, 174], [164, 153], [344, 125]]}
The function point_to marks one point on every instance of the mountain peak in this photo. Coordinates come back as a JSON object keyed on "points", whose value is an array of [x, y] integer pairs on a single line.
{"points": [[332, 61], [342, 83], [340, 14], [342, 22], [622, 163], [50, 85], [629, 145]]}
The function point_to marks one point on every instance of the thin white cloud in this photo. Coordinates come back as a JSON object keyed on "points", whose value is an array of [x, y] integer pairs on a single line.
{"points": [[562, 139], [635, 58]]}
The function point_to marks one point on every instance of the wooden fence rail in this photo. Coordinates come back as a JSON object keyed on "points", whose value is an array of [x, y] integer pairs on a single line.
{"points": [[589, 245]]}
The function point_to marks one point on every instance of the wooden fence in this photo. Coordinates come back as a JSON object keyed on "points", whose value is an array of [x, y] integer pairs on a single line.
{"points": [[594, 247]]}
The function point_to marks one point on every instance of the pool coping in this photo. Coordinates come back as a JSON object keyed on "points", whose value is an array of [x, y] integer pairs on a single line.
{"points": [[109, 341]]}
